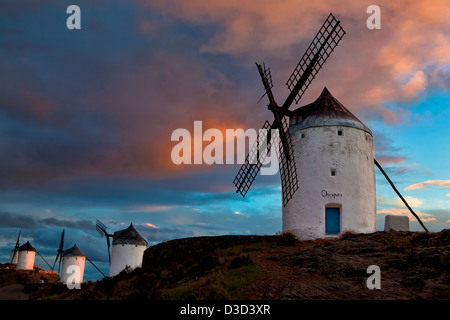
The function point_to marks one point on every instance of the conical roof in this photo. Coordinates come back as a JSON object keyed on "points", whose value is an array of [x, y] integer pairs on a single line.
{"points": [[128, 236], [325, 111], [27, 247], [73, 252]]}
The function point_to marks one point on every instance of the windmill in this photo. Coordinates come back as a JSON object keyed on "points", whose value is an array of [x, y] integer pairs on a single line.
{"points": [[15, 252], [304, 73], [101, 229], [60, 252]]}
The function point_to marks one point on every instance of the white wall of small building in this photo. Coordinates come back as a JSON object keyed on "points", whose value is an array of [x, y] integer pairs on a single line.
{"points": [[124, 255], [352, 189]]}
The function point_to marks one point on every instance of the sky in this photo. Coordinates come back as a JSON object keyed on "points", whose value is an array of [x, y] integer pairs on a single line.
{"points": [[86, 116]]}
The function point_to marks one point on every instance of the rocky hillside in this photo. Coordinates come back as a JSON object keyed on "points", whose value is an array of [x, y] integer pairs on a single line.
{"points": [[413, 265]]}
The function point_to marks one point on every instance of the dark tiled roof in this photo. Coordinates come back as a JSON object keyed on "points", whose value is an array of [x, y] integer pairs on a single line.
{"points": [[325, 111], [27, 247], [73, 252], [128, 236]]}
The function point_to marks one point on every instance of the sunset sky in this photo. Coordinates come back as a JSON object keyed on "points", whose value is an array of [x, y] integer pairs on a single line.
{"points": [[86, 116]]}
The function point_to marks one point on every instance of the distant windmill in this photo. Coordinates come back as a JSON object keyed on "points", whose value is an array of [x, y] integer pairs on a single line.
{"points": [[15, 251], [71, 257], [101, 229], [128, 248], [60, 252], [317, 53]]}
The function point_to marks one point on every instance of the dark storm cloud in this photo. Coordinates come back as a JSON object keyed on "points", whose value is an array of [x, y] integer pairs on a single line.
{"points": [[105, 100]]}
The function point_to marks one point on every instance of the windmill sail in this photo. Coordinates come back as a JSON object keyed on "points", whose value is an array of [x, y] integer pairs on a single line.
{"points": [[267, 74], [288, 170], [253, 162], [314, 58]]}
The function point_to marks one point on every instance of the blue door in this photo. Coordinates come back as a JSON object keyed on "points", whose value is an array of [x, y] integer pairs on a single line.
{"points": [[332, 220]]}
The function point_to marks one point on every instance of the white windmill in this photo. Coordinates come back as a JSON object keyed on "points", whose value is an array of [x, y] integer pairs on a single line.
{"points": [[26, 257], [326, 153], [333, 153], [73, 262]]}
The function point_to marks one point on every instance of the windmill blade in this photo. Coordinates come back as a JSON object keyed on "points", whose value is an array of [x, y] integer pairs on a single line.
{"points": [[16, 247], [101, 228], [56, 259], [326, 39], [43, 259], [253, 162], [59, 263], [109, 254], [60, 251], [61, 242], [278, 113], [288, 169], [266, 76]]}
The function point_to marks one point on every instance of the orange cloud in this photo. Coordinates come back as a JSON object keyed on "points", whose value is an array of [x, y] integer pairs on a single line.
{"points": [[429, 183], [389, 159], [370, 67], [150, 208], [415, 85]]}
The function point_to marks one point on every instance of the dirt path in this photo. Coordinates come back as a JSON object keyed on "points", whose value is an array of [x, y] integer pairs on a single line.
{"points": [[276, 278], [13, 292]]}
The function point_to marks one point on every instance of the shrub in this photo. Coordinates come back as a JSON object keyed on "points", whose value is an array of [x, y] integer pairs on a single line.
{"points": [[288, 239]]}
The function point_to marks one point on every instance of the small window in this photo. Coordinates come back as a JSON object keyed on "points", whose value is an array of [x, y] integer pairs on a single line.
{"points": [[339, 132], [333, 172], [303, 135]]}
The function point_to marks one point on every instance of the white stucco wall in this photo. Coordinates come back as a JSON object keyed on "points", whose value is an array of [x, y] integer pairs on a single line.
{"points": [[66, 271], [123, 255], [352, 189], [26, 260]]}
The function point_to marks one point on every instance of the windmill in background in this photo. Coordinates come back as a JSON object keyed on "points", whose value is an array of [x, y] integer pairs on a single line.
{"points": [[101, 229]]}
